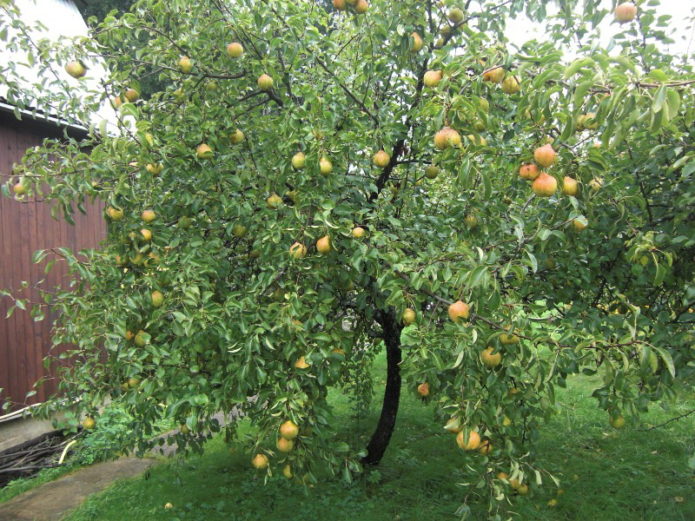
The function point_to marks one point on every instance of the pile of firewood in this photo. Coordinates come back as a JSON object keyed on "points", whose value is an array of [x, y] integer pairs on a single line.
{"points": [[32, 456]]}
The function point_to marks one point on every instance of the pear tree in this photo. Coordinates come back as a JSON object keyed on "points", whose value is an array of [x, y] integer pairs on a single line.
{"points": [[365, 179]]}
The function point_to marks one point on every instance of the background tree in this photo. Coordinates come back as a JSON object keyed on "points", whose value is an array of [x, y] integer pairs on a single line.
{"points": [[384, 176], [100, 8]]}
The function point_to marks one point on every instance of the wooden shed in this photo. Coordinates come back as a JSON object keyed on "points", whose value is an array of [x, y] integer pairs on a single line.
{"points": [[27, 226]]}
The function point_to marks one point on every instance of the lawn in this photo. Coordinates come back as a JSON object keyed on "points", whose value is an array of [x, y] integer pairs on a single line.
{"points": [[606, 475]]}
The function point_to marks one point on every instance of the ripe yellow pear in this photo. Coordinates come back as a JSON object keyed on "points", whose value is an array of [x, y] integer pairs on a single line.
{"points": [[115, 214], [89, 423], [508, 339], [203, 151], [154, 168], [423, 389], [297, 250], [260, 461], [511, 85], [569, 186], [490, 358], [447, 137], [416, 42], [545, 155], [298, 160], [432, 78], [237, 137], [494, 75], [325, 166], [361, 6], [579, 224], [301, 363], [185, 64], [459, 310], [339, 5], [453, 425], [19, 188], [132, 95], [470, 442], [408, 316], [485, 447], [455, 15], [265, 82], [528, 171], [284, 445], [273, 201], [323, 245], [289, 430], [381, 159], [625, 12], [544, 185], [76, 69], [358, 232], [146, 234], [148, 216], [157, 298], [235, 49]]}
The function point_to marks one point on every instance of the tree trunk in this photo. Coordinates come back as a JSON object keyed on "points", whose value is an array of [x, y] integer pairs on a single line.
{"points": [[389, 410]]}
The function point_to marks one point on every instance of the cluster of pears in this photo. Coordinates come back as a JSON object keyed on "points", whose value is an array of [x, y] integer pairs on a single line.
{"points": [[544, 184], [203, 151], [288, 434], [325, 164], [359, 6], [457, 310], [323, 246], [468, 439], [509, 83], [234, 50], [520, 487]]}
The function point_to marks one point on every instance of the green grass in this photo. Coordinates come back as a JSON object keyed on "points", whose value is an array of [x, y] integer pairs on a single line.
{"points": [[606, 475], [19, 486]]}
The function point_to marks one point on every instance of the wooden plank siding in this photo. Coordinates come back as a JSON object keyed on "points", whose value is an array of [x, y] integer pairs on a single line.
{"points": [[24, 228]]}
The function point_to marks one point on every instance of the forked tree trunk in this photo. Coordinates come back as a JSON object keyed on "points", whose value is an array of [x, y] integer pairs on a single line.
{"points": [[389, 409]]}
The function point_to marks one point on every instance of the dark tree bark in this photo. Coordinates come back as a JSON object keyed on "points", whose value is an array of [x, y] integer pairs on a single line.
{"points": [[391, 331]]}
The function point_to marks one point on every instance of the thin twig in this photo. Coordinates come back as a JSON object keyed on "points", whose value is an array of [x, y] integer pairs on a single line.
{"points": [[680, 417]]}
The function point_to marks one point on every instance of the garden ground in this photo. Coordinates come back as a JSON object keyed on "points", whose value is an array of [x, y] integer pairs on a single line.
{"points": [[605, 475]]}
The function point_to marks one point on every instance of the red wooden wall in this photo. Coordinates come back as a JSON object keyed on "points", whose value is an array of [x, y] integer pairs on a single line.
{"points": [[24, 228]]}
